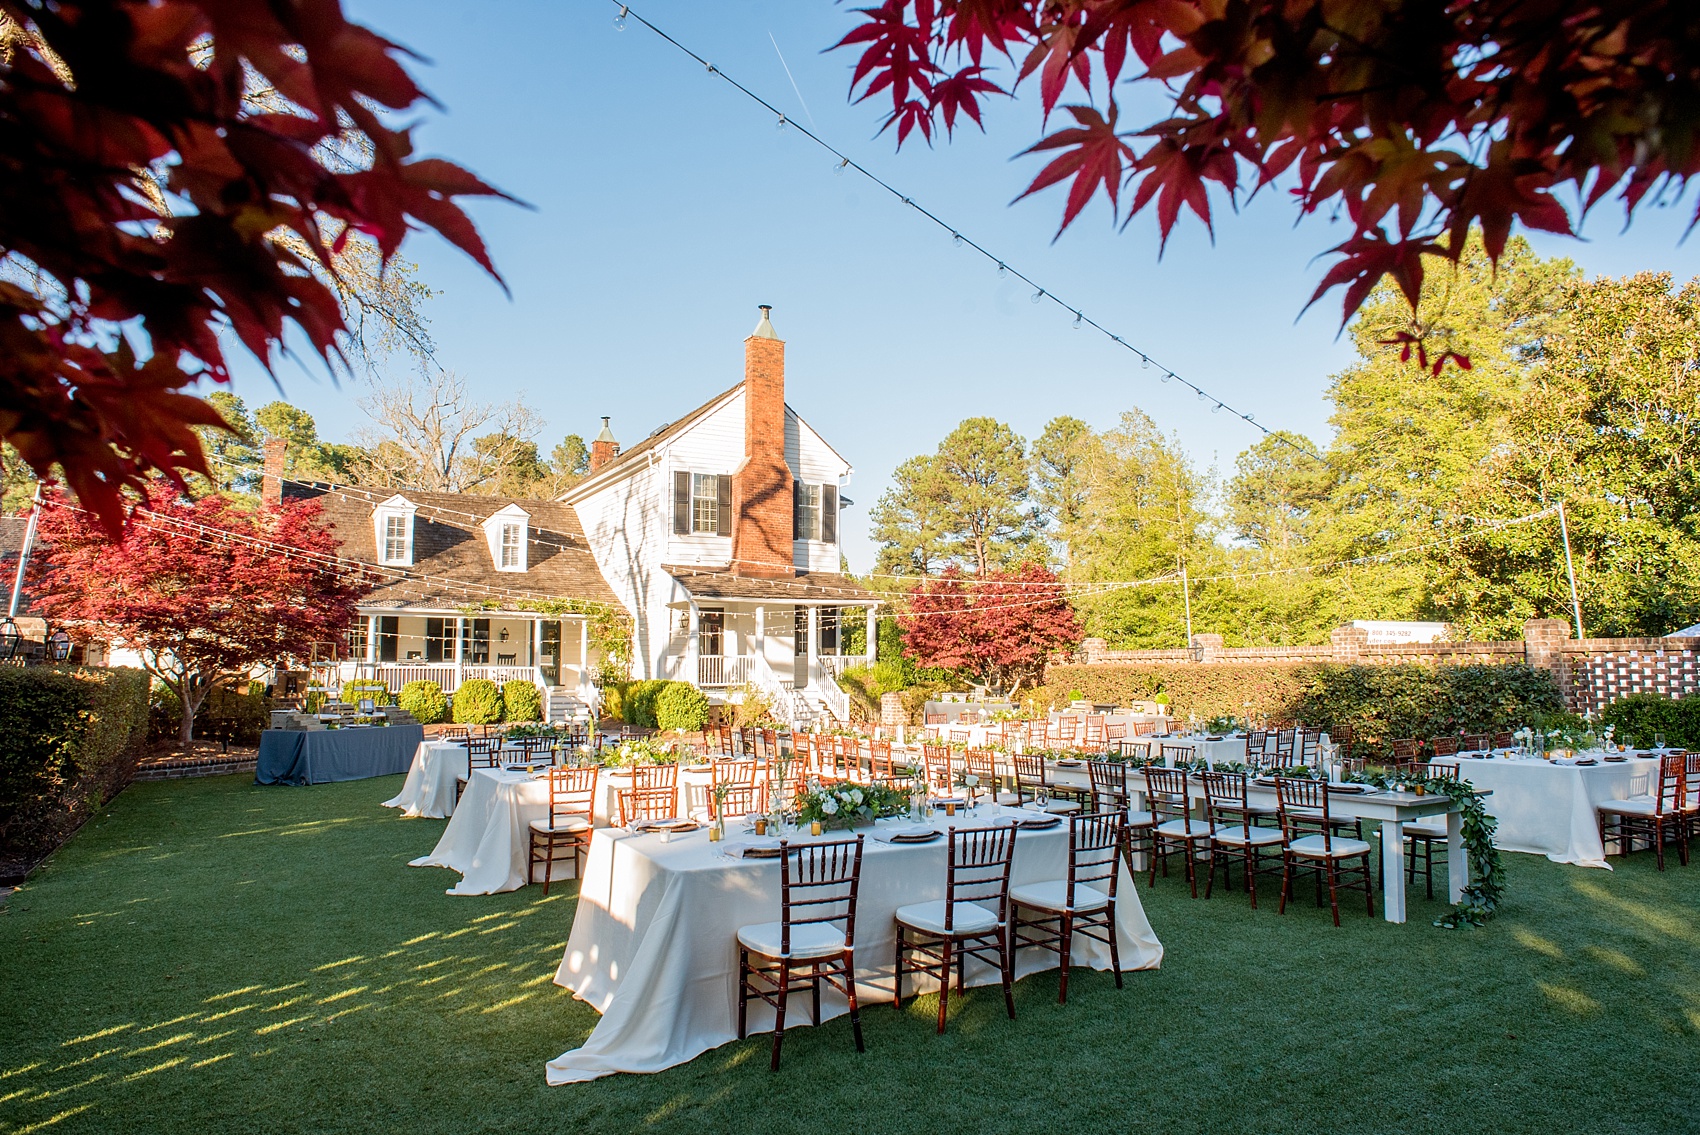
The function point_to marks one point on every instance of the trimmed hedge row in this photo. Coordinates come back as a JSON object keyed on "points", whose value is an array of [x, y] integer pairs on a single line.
{"points": [[1378, 702], [72, 736], [225, 715], [1639, 717], [638, 703], [425, 700]]}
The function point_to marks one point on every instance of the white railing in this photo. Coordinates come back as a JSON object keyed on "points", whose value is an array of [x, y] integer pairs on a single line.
{"points": [[836, 664], [835, 698], [448, 675], [724, 670]]}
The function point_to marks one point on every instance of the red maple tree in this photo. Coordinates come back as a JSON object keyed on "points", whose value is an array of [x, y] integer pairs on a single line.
{"points": [[1417, 118], [147, 203], [205, 591], [1000, 627]]}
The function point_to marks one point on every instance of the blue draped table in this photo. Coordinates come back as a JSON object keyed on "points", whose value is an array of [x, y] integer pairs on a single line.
{"points": [[300, 756]]}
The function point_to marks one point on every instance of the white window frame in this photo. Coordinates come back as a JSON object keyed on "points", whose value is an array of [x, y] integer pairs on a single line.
{"points": [[397, 508], [809, 509], [496, 529], [513, 546], [705, 504]]}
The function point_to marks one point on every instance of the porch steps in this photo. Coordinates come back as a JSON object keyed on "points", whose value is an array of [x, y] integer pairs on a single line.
{"points": [[561, 704]]}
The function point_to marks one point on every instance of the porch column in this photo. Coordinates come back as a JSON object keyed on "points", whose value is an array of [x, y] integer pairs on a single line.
{"points": [[758, 648], [873, 642], [460, 650], [814, 642], [536, 641], [371, 639], [692, 627], [583, 649]]}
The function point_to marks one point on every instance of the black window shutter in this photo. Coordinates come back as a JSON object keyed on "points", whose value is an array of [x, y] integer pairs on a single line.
{"points": [[681, 503], [829, 514], [723, 505], [797, 511]]}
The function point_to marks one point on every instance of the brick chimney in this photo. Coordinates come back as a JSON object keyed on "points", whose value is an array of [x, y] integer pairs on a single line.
{"points": [[271, 475], [604, 449], [761, 488]]}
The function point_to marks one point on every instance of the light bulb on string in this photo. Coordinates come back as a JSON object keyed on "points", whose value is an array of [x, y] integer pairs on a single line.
{"points": [[1216, 408], [956, 239], [780, 125], [841, 166], [1202, 397], [1038, 295], [1144, 362], [1167, 375], [1003, 269], [1077, 319], [620, 20]]}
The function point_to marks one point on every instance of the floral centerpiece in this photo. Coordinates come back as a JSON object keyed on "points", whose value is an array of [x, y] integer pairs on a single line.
{"points": [[640, 751], [1222, 723], [851, 805]]}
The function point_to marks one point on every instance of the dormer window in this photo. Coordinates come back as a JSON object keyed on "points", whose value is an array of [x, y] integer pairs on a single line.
{"points": [[392, 522], [507, 532]]}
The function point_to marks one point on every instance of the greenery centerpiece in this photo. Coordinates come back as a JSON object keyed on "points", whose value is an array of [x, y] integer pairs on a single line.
{"points": [[850, 805], [640, 751], [1486, 886], [1221, 723]]}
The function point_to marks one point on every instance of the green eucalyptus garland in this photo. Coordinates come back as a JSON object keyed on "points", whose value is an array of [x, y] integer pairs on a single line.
{"points": [[1485, 886]]}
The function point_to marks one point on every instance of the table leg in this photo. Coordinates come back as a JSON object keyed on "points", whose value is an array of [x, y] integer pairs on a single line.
{"points": [[1393, 870], [1457, 867]]}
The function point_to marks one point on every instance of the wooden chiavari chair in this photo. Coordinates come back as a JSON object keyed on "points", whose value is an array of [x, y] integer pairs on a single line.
{"points": [[1309, 842], [1310, 746], [1174, 755], [1174, 830], [936, 719], [1111, 792], [743, 794], [813, 941], [937, 761], [1094, 736], [654, 795], [481, 752], [960, 736], [1422, 834], [631, 733], [1692, 768], [982, 764], [1443, 746], [1504, 740], [770, 741], [1114, 733], [850, 757], [572, 815], [723, 734], [454, 734], [1031, 778], [880, 765], [1256, 742], [1474, 742], [1084, 902], [970, 921], [1234, 830], [1654, 817], [1405, 751], [1140, 750], [1286, 747], [1067, 731], [1144, 728]]}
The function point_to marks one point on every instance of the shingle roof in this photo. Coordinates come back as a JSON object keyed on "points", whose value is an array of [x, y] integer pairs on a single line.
{"points": [[805, 587], [449, 544], [628, 457]]}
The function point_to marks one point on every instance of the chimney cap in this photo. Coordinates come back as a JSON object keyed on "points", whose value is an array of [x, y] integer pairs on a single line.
{"points": [[764, 329], [606, 434]]}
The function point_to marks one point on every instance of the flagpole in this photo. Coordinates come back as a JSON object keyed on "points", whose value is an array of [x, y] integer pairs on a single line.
{"points": [[1570, 568]]}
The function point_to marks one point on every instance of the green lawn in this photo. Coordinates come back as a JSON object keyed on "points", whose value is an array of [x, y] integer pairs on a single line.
{"points": [[210, 956]]}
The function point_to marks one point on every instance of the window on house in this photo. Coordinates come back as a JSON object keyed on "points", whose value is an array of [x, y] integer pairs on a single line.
{"points": [[807, 512], [711, 633], [800, 628], [395, 539], [389, 638], [702, 504], [513, 545], [356, 636], [440, 640], [475, 642]]}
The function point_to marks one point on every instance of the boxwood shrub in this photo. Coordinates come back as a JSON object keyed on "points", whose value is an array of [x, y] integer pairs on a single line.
{"points": [[425, 700], [681, 706], [478, 702], [521, 701], [72, 736], [1640, 717]]}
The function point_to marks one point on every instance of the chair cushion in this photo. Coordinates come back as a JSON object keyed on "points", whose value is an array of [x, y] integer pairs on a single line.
{"points": [[1434, 827], [928, 917], [1052, 895], [1634, 806], [1312, 847], [810, 940], [1234, 835], [566, 824], [1177, 829]]}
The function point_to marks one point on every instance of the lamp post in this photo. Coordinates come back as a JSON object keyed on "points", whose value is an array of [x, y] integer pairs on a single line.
{"points": [[59, 645], [10, 637]]}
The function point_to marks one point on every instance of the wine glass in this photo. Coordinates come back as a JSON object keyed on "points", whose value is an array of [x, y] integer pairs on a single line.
{"points": [[1659, 741], [1042, 797]]}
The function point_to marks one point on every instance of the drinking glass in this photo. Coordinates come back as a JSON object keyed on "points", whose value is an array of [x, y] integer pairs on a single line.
{"points": [[1658, 741]]}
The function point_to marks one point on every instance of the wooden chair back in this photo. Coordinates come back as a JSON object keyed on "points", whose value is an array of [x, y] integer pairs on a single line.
{"points": [[1166, 796], [1443, 746], [743, 794], [1302, 804], [977, 864], [1672, 793], [654, 794], [1285, 745], [937, 761], [1144, 728], [1405, 750], [983, 764], [572, 792], [1094, 851], [1109, 786], [1310, 746], [1504, 740], [1030, 775], [1431, 771], [1474, 742], [483, 752], [880, 766], [818, 884], [1134, 749], [1256, 741], [1227, 799], [1174, 754]]}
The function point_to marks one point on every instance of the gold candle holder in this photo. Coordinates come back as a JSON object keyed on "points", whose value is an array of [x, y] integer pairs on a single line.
{"points": [[814, 827]]}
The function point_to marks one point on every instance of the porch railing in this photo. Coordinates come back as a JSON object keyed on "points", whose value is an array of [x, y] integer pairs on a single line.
{"points": [[724, 670], [836, 664], [448, 675]]}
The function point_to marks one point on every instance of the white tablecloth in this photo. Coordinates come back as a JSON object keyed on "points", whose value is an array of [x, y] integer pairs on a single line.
{"points": [[654, 940], [487, 839], [1549, 809], [430, 787]]}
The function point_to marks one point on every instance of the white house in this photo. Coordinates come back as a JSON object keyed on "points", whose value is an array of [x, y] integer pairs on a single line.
{"points": [[717, 534]]}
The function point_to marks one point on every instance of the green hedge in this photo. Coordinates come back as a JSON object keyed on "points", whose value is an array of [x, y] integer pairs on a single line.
{"points": [[521, 701], [1378, 702], [635, 702], [354, 690], [681, 706], [478, 702], [225, 715], [425, 700], [69, 741], [1639, 717]]}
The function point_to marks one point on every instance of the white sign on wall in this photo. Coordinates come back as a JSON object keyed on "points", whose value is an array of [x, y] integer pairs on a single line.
{"points": [[1387, 631]]}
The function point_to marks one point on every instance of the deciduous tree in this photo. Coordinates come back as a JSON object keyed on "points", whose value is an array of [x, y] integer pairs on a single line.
{"points": [[203, 590], [146, 204], [1001, 627], [1416, 119]]}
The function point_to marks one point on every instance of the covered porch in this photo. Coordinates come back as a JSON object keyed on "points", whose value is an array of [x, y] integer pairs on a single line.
{"points": [[723, 644]]}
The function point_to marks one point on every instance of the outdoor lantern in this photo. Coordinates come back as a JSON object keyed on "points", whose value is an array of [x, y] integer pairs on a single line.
{"points": [[10, 637], [59, 645], [503, 634]]}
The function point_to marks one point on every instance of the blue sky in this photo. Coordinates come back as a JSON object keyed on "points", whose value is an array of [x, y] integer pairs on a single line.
{"points": [[665, 207]]}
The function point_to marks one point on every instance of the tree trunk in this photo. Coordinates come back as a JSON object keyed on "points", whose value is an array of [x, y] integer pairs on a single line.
{"points": [[192, 694]]}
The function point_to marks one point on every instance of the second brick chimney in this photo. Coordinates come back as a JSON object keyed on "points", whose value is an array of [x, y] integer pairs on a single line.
{"points": [[761, 488], [276, 449], [604, 449]]}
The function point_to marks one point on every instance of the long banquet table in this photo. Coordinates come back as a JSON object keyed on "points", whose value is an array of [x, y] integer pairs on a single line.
{"points": [[1549, 808], [318, 756], [654, 938], [429, 790]]}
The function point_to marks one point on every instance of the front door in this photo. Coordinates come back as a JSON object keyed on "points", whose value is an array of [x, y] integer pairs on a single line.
{"points": [[800, 656], [549, 658]]}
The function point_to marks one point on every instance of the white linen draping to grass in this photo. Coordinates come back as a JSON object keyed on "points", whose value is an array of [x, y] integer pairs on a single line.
{"points": [[488, 837], [429, 790], [1549, 809], [654, 949]]}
